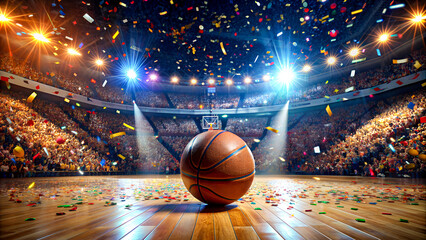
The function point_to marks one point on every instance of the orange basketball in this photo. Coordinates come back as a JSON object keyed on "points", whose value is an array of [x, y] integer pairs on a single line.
{"points": [[217, 167]]}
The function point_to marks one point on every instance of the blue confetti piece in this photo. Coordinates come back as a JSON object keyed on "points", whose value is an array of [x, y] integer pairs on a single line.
{"points": [[411, 105], [392, 148], [61, 6], [61, 12], [19, 34], [81, 45], [379, 21], [378, 52], [98, 138], [53, 4], [73, 107]]}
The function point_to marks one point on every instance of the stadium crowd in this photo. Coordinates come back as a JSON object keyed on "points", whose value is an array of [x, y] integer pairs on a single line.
{"points": [[370, 139], [147, 98]]}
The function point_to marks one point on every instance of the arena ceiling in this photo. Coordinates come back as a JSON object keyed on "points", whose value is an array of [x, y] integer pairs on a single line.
{"points": [[179, 41]]}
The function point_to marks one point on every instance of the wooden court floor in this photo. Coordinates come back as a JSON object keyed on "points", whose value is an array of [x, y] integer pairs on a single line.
{"points": [[158, 207]]}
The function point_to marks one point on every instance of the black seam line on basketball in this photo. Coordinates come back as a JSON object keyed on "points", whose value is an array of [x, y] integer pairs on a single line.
{"points": [[226, 158], [189, 189], [217, 180], [199, 164], [190, 152]]}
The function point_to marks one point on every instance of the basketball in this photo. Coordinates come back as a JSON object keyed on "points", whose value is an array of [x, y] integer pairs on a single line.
{"points": [[217, 167]]}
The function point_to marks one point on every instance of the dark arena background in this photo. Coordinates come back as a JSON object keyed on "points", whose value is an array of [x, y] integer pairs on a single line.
{"points": [[123, 119]]}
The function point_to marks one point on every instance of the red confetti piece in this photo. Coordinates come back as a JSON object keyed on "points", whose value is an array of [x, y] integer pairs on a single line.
{"points": [[416, 76]]}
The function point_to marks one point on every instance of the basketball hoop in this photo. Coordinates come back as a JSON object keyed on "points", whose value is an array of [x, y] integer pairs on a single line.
{"points": [[210, 122]]}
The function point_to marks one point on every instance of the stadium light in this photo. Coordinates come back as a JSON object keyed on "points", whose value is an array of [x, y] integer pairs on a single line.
{"points": [[418, 18], [211, 81], [229, 82], [286, 75], [247, 80], [331, 60], [266, 77], [3, 18], [131, 74], [153, 76], [354, 52], [72, 51], [99, 62], [39, 37], [306, 68], [193, 81], [384, 37], [174, 80]]}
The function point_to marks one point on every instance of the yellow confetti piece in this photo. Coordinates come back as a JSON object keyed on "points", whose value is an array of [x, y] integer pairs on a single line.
{"points": [[256, 140], [223, 48], [121, 156], [30, 99], [66, 100], [282, 159], [272, 129], [117, 134], [163, 13], [329, 110], [316, 178], [128, 126], [417, 64], [31, 185], [424, 84], [327, 97], [326, 82], [356, 12], [123, 4], [115, 34], [336, 90]]}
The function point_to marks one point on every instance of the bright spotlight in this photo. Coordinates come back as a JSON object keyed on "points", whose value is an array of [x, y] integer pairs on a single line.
{"points": [[3, 18], [99, 62], [354, 52], [131, 74], [72, 51], [40, 37], [331, 60], [153, 76], [266, 77], [211, 81], [418, 18], [384, 37], [247, 80], [229, 82], [174, 79], [286, 75], [306, 68], [193, 81]]}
